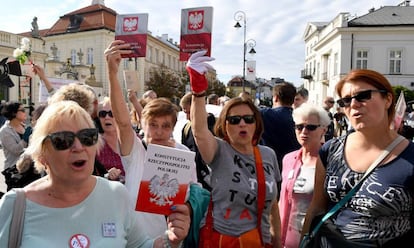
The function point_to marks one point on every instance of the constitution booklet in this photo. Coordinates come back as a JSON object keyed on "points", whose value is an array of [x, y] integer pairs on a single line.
{"points": [[133, 29], [167, 173]]}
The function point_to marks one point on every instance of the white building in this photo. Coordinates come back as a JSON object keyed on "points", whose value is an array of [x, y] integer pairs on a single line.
{"points": [[382, 40], [76, 43]]}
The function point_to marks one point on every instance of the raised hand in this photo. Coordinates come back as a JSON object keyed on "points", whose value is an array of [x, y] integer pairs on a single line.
{"points": [[196, 67], [113, 54]]}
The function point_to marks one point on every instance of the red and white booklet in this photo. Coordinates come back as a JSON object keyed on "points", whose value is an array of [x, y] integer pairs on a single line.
{"points": [[133, 29], [167, 173]]}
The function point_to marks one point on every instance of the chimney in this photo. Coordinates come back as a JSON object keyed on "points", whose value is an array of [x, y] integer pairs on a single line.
{"points": [[371, 10], [101, 2], [404, 3]]}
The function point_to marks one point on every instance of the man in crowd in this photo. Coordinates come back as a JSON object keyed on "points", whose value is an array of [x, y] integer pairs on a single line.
{"points": [[328, 103]]}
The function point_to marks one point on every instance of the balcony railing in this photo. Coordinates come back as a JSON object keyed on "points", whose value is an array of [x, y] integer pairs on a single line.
{"points": [[306, 74]]}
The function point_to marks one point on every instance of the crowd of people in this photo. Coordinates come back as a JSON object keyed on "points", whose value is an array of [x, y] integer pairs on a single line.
{"points": [[260, 176]]}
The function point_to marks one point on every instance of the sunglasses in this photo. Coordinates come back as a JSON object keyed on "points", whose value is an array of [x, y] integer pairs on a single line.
{"points": [[65, 139], [235, 119], [103, 113], [362, 96], [309, 127], [22, 110]]}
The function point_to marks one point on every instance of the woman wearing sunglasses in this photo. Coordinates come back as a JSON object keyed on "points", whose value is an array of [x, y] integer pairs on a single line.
{"points": [[109, 154], [14, 137], [70, 206], [298, 171], [244, 174], [381, 212], [159, 117]]}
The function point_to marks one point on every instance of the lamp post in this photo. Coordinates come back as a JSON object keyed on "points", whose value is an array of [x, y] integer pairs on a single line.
{"points": [[241, 16]]}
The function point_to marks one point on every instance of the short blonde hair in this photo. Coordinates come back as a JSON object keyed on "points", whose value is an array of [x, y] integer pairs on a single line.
{"points": [[106, 101], [55, 115], [160, 107]]}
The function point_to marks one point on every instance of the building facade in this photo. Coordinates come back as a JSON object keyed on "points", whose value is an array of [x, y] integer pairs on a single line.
{"points": [[73, 48], [381, 40]]}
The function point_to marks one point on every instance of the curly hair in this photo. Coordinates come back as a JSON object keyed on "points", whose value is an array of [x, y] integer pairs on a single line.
{"points": [[10, 109], [75, 92]]}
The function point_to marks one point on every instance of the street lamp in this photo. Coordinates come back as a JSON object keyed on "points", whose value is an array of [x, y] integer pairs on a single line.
{"points": [[241, 16]]}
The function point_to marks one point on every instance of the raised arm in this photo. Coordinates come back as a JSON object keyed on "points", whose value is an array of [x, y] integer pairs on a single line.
{"points": [[132, 96], [206, 143], [120, 111], [41, 73]]}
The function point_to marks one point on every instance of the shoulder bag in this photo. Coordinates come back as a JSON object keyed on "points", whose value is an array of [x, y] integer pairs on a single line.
{"points": [[311, 240]]}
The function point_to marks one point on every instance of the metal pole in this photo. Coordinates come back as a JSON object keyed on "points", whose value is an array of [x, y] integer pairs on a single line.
{"points": [[244, 53], [238, 16]]}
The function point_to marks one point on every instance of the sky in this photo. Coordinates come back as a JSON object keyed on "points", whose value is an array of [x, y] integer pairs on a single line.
{"points": [[276, 26]]}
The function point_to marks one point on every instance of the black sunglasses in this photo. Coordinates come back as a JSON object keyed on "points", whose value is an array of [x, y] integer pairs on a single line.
{"points": [[103, 113], [360, 97], [310, 127], [235, 119], [65, 139]]}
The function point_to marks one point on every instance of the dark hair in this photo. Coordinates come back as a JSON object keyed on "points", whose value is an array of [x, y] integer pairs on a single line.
{"points": [[303, 92], [286, 93], [220, 127], [10, 109], [212, 98], [373, 78]]}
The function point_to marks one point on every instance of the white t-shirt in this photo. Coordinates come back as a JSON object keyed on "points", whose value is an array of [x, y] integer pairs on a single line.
{"points": [[155, 224]]}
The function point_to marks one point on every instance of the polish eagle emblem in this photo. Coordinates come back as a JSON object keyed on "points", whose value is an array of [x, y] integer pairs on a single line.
{"points": [[130, 24], [195, 20], [163, 189]]}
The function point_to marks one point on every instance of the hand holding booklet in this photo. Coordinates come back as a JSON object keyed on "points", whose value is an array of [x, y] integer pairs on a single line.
{"points": [[167, 173], [133, 28]]}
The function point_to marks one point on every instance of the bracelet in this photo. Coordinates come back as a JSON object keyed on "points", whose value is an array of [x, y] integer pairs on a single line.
{"points": [[202, 94]]}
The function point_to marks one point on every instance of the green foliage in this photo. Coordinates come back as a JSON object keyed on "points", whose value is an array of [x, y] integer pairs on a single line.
{"points": [[172, 85], [216, 87], [165, 82], [408, 94]]}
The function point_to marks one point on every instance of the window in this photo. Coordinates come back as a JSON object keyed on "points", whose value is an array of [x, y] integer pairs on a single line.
{"points": [[73, 56], [362, 59], [395, 61], [169, 61], [149, 54], [89, 56], [163, 58], [157, 58], [336, 66]]}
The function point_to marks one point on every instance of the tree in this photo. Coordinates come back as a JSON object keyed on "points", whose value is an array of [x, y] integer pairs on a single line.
{"points": [[408, 94], [164, 82], [216, 87], [172, 85]]}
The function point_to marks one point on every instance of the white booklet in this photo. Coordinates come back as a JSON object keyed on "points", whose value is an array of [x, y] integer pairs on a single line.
{"points": [[131, 80], [167, 173]]}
